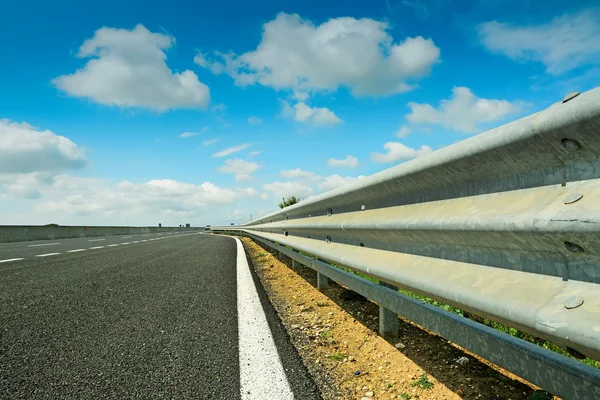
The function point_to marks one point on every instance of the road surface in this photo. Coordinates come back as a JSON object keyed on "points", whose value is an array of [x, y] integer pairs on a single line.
{"points": [[141, 317]]}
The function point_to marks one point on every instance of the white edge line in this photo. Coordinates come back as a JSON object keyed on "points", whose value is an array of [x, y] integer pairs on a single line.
{"points": [[125, 243], [43, 244], [112, 245], [11, 259], [95, 240], [262, 375], [96, 247], [125, 237], [75, 251], [46, 255]]}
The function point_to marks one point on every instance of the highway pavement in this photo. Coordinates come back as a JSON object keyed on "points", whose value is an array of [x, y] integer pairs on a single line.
{"points": [[177, 316]]}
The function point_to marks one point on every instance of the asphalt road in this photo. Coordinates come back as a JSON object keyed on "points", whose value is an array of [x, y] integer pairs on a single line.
{"points": [[142, 320]]}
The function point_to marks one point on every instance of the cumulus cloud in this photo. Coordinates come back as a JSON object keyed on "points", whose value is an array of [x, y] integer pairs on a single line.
{"points": [[298, 173], [301, 112], [567, 42], [397, 151], [348, 162], [127, 68], [254, 120], [157, 197], [287, 189], [464, 112], [240, 168], [306, 183], [295, 54], [403, 132], [188, 134], [334, 181], [231, 150], [25, 149]]}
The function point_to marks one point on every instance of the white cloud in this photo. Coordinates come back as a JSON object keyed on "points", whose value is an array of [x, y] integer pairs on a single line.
{"points": [[240, 168], [334, 181], [210, 141], [396, 151], [565, 43], [205, 129], [301, 112], [157, 197], [254, 120], [349, 162], [231, 150], [254, 153], [464, 112], [218, 108], [298, 173], [127, 69], [403, 132], [287, 189], [25, 149], [188, 134], [295, 54]]}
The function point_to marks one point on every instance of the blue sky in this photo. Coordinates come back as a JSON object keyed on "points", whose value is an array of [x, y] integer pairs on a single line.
{"points": [[206, 112]]}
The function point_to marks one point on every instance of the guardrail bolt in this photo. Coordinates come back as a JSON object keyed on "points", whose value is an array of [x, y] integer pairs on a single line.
{"points": [[570, 96], [573, 198], [329, 212], [570, 144], [574, 248], [573, 302], [328, 239], [285, 233]]}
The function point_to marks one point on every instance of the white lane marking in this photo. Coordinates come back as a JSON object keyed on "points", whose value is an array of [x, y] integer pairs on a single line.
{"points": [[97, 247], [137, 241], [43, 244], [75, 251], [125, 243], [112, 245], [125, 237], [11, 259], [261, 373], [46, 255], [144, 240], [96, 240]]}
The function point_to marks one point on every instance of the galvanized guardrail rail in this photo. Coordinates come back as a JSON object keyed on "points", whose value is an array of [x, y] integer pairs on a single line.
{"points": [[504, 225]]}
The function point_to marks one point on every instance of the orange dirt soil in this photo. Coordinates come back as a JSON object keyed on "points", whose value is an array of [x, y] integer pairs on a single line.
{"points": [[335, 333]]}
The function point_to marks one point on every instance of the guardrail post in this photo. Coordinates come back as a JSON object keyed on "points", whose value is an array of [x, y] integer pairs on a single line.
{"points": [[388, 320], [322, 281], [295, 264]]}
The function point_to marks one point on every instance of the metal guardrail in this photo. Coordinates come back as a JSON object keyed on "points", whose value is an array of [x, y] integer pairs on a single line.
{"points": [[504, 225]]}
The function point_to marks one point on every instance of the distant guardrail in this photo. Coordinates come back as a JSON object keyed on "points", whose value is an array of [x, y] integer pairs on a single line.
{"points": [[16, 233], [504, 225]]}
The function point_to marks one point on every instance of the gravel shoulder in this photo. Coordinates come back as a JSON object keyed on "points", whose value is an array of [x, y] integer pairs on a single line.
{"points": [[335, 333]]}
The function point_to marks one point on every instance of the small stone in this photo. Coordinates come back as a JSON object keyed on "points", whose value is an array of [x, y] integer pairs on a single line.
{"points": [[462, 361], [369, 394], [400, 345], [356, 373], [364, 398]]}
